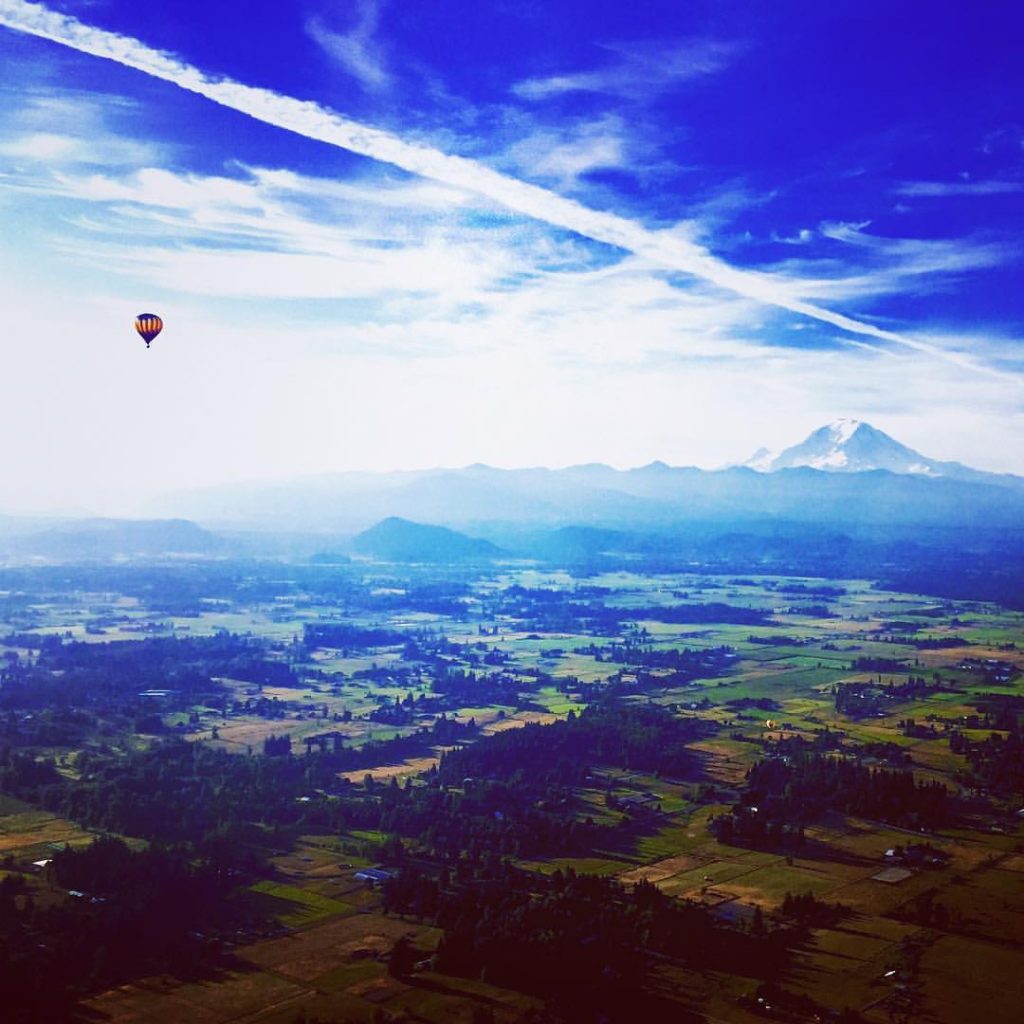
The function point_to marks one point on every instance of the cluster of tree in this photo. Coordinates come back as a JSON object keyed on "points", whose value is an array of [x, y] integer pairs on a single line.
{"points": [[474, 824], [997, 762], [807, 787], [795, 745], [399, 711], [345, 636], [928, 910], [746, 826], [182, 792], [584, 944], [714, 612], [992, 576], [757, 703], [32, 642], [860, 699], [52, 727], [84, 675], [644, 738], [1002, 711], [187, 792], [470, 689], [782, 794], [684, 663], [126, 914], [875, 664], [813, 611], [929, 643], [277, 746], [882, 750], [809, 910], [994, 671], [778, 640], [918, 730]]}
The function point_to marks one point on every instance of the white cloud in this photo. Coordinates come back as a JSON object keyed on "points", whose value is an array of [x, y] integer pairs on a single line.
{"points": [[668, 249], [40, 146], [357, 50], [348, 272], [639, 71], [802, 237], [566, 154], [888, 265], [270, 234], [922, 255], [46, 128], [958, 188]]}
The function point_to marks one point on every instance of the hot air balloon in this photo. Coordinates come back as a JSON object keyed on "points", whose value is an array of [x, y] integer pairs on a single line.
{"points": [[770, 724], [149, 325]]}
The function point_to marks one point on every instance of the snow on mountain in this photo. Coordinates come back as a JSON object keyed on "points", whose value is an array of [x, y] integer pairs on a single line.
{"points": [[761, 460], [851, 446]]}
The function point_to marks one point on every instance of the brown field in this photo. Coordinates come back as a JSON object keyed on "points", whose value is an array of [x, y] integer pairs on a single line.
{"points": [[236, 995], [30, 833], [661, 870], [306, 955], [520, 719], [845, 965], [968, 980], [336, 965], [385, 772]]}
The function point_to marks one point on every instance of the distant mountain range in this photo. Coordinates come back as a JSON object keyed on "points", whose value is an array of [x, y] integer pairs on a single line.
{"points": [[847, 472], [845, 486]]}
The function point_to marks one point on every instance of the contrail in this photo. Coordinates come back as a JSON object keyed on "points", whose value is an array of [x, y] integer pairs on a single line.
{"points": [[315, 122]]}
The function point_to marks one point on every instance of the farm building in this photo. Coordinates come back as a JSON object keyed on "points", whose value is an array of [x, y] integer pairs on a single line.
{"points": [[375, 876]]}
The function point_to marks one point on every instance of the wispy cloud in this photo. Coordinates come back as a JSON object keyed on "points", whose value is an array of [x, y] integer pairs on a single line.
{"points": [[424, 270], [357, 50], [40, 146], [49, 147], [47, 128], [639, 71], [666, 249], [921, 255], [566, 154], [270, 234], [844, 262], [958, 188]]}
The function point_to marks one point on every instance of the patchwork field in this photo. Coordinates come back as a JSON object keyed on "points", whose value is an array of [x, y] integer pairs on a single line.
{"points": [[838, 666]]}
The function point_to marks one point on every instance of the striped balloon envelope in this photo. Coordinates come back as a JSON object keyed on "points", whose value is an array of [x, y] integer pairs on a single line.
{"points": [[149, 325]]}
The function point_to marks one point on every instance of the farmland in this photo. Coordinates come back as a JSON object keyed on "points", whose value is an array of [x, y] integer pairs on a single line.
{"points": [[286, 727]]}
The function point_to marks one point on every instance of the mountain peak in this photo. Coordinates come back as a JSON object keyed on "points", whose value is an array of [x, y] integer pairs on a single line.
{"points": [[847, 445], [844, 428]]}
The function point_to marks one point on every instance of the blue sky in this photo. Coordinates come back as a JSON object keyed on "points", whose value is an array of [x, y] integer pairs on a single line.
{"points": [[406, 234]]}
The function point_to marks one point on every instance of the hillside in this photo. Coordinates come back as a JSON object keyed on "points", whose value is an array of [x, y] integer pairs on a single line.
{"points": [[399, 540], [112, 538]]}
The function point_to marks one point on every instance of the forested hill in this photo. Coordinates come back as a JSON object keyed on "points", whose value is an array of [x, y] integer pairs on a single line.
{"points": [[80, 539], [399, 540]]}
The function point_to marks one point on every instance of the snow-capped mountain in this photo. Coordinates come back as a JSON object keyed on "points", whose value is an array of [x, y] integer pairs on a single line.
{"points": [[852, 446]]}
